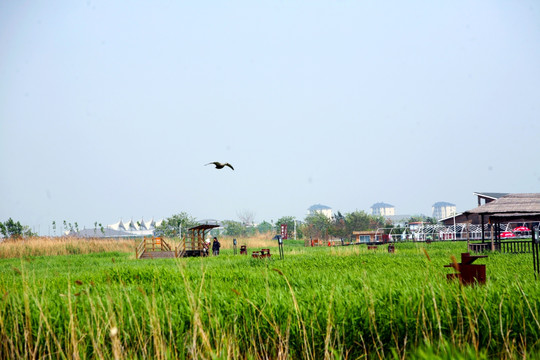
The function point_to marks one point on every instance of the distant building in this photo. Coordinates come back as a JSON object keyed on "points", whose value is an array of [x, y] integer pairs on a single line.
{"points": [[443, 209], [383, 209], [120, 229], [482, 198], [136, 228], [321, 209]]}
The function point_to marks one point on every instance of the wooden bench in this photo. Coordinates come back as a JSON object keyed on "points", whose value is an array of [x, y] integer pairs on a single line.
{"points": [[263, 253]]}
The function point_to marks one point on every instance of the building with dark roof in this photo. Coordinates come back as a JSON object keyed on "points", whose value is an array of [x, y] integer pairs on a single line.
{"points": [[443, 209], [383, 209], [321, 209]]}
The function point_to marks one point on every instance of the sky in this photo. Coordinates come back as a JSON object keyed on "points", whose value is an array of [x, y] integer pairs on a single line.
{"points": [[110, 110]]}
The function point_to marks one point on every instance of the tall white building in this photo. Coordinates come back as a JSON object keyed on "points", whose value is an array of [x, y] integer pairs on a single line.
{"points": [[383, 209], [443, 210], [322, 209]]}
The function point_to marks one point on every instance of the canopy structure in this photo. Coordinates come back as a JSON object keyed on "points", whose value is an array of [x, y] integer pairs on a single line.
{"points": [[120, 229], [512, 207], [192, 244]]}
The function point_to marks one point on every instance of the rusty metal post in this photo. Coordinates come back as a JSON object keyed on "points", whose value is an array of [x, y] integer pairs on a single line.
{"points": [[467, 272]]}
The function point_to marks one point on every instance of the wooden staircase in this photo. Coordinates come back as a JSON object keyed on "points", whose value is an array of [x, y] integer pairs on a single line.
{"points": [[190, 245], [154, 248]]}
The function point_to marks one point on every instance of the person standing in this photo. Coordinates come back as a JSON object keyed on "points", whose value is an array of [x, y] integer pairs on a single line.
{"points": [[215, 246], [206, 247]]}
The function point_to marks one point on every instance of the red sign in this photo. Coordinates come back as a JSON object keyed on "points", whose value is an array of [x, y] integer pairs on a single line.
{"points": [[284, 231]]}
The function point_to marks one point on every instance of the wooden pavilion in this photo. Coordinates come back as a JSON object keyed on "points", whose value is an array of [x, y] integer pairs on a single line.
{"points": [[192, 244], [523, 208]]}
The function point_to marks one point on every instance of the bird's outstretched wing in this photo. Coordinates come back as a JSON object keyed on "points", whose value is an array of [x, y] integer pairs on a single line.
{"points": [[220, 165]]}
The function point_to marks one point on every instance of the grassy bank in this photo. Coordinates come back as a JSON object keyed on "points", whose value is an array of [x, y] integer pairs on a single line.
{"points": [[317, 303]]}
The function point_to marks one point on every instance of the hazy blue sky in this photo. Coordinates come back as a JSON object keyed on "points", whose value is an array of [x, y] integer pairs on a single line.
{"points": [[110, 110]]}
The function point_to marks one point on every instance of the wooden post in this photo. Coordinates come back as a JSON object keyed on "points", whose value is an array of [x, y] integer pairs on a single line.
{"points": [[468, 235], [536, 261], [483, 233], [492, 240]]}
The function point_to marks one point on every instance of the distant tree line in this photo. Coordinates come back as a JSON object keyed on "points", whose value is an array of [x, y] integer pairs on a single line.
{"points": [[172, 226], [316, 225], [15, 230]]}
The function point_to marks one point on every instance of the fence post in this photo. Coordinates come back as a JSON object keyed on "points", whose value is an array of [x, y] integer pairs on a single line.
{"points": [[534, 245]]}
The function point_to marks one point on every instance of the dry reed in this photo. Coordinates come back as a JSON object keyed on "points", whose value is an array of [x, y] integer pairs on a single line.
{"points": [[48, 246]]}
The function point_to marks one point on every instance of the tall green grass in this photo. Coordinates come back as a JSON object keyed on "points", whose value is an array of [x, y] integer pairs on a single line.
{"points": [[343, 302]]}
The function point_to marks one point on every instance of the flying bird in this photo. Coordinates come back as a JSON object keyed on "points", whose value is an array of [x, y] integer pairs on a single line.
{"points": [[220, 165]]}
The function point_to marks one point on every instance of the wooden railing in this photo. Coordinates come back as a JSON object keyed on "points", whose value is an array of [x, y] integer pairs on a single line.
{"points": [[180, 248], [151, 244], [165, 246], [140, 249], [480, 247], [516, 247], [506, 246]]}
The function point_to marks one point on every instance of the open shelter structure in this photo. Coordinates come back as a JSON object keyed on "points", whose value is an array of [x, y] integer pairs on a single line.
{"points": [[192, 244], [524, 208]]}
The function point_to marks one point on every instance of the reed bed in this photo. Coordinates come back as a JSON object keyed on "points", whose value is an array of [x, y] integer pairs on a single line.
{"points": [[257, 241], [49, 246], [317, 303]]}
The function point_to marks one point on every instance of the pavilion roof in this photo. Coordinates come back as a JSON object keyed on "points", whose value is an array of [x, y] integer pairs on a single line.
{"points": [[514, 204]]}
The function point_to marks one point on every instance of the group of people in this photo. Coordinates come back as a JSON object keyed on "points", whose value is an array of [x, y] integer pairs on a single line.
{"points": [[215, 246]]}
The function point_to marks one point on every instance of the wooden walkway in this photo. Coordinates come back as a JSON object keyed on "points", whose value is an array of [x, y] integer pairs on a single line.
{"points": [[154, 248], [157, 248]]}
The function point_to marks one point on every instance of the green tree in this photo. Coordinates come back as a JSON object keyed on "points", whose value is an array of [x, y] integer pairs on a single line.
{"points": [[360, 221], [289, 220], [357, 221], [264, 227], [234, 228], [317, 225], [339, 226], [12, 229], [171, 226], [417, 218]]}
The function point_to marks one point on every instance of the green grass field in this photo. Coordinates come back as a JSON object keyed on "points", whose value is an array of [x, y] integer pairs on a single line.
{"points": [[342, 302]]}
